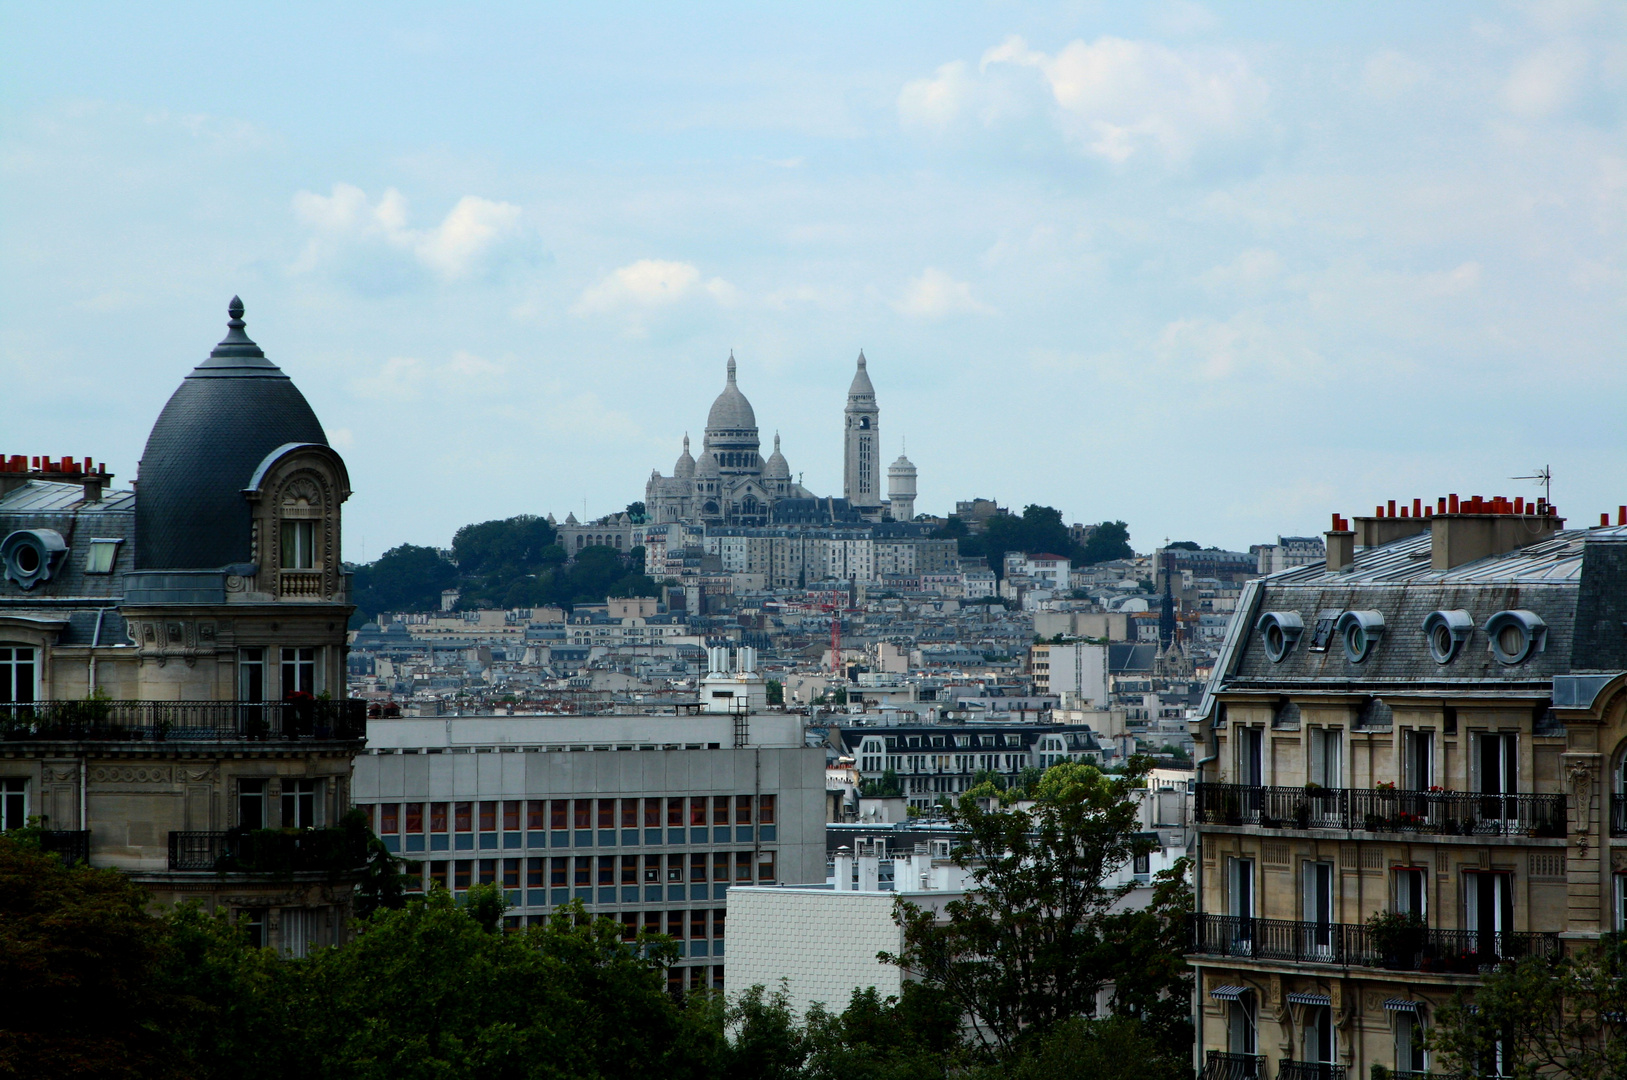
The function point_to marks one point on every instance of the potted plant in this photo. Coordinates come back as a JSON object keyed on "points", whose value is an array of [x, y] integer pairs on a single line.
{"points": [[1397, 937]]}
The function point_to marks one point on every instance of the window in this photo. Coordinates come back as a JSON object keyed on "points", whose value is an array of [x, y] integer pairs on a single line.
{"points": [[1326, 758], [1410, 1055], [13, 804], [254, 920], [461, 873], [1496, 763], [1418, 764], [720, 866], [607, 869], [742, 867], [415, 817], [298, 671], [488, 816], [1319, 1034], [652, 922], [1250, 746], [1619, 884], [652, 869], [697, 924], [488, 871], [1317, 894], [1489, 910], [629, 869], [251, 674], [511, 816], [675, 813], [463, 817], [437, 874], [765, 866], [697, 811], [607, 813], [16, 673], [675, 925], [1141, 866], [742, 809], [102, 553], [559, 815], [765, 810], [1240, 1026], [536, 815], [652, 813], [437, 817], [298, 545], [583, 877], [559, 871], [299, 804], [511, 873], [697, 867], [1411, 895], [718, 917], [251, 807], [675, 868], [629, 813], [629, 925], [534, 871]]}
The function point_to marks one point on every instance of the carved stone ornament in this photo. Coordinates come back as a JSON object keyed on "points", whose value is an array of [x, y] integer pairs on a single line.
{"points": [[1580, 775], [302, 490]]}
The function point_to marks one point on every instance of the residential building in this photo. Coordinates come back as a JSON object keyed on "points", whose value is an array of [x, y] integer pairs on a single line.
{"points": [[1411, 769], [1289, 552], [168, 655]]}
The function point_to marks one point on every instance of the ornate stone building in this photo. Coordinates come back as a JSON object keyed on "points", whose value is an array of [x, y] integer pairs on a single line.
{"points": [[1413, 764], [172, 660], [730, 483]]}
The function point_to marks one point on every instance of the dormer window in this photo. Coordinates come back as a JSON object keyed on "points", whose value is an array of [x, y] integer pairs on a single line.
{"points": [[102, 555], [298, 545]]}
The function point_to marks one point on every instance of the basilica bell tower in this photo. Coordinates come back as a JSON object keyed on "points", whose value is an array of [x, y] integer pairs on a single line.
{"points": [[861, 444]]}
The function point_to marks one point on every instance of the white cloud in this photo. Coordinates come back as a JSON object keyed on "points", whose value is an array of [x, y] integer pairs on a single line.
{"points": [[1114, 97], [1217, 351], [1389, 75], [1251, 269], [407, 378], [1186, 17], [1461, 279], [1546, 80], [650, 283], [935, 294], [451, 249]]}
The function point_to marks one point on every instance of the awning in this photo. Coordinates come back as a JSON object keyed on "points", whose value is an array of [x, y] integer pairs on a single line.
{"points": [[1401, 1005], [1309, 999], [1228, 993]]}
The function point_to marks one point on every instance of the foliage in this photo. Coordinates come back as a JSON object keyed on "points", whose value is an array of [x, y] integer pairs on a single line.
{"points": [[405, 578], [1111, 540], [636, 511], [1038, 529], [1033, 945], [889, 786], [1561, 1017], [776, 692], [1183, 545], [78, 958]]}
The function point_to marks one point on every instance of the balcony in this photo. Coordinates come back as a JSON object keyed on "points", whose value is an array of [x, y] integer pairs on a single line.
{"points": [[1309, 1070], [1219, 1066], [69, 845], [183, 721], [269, 851], [1618, 814], [1450, 952], [1441, 813]]}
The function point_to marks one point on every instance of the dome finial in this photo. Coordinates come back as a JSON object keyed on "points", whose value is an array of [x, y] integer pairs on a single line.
{"points": [[776, 442], [861, 359], [235, 310], [731, 365], [686, 442]]}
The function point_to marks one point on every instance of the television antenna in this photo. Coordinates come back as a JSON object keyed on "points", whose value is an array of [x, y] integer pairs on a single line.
{"points": [[1545, 477]]}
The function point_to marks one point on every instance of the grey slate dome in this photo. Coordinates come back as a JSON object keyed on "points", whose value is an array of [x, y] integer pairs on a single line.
{"points": [[776, 467], [234, 409], [685, 468], [731, 411]]}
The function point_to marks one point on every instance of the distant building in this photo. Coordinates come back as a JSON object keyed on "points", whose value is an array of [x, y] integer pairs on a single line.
{"points": [[1289, 552]]}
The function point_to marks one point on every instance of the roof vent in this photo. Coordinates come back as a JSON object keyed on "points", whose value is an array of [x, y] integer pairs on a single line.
{"points": [[1516, 635], [1360, 631], [1278, 631], [1445, 632]]}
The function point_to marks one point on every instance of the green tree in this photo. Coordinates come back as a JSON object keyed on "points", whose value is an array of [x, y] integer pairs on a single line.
{"points": [[914, 1036], [78, 961], [636, 511], [1542, 1017], [405, 578], [776, 692], [1111, 540], [1028, 948], [513, 545], [887, 786]]}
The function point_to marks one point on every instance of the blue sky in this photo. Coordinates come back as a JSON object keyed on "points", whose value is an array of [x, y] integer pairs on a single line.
{"points": [[1218, 270]]}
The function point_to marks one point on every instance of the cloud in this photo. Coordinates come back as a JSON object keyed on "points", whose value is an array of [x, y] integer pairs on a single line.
{"points": [[1112, 97], [1251, 270], [452, 250], [1216, 351], [1546, 80], [935, 294], [1389, 75], [407, 378], [652, 283], [1186, 17]]}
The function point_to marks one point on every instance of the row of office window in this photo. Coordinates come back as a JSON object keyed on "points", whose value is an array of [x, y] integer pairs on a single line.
{"points": [[585, 822], [604, 879]]}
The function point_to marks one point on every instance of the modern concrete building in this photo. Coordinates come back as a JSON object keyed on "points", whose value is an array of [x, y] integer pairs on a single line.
{"points": [[650, 820], [1411, 768], [169, 659]]}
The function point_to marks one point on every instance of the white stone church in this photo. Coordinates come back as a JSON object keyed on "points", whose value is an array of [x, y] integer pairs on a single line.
{"points": [[730, 483]]}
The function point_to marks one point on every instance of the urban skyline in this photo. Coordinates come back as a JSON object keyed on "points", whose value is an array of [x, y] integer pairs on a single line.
{"points": [[1402, 223]]}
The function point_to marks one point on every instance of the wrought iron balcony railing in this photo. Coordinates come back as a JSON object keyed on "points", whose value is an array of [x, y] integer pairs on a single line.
{"points": [[1449, 813], [1223, 1066], [70, 845], [269, 851], [1309, 1070], [1458, 952], [177, 721], [1618, 814]]}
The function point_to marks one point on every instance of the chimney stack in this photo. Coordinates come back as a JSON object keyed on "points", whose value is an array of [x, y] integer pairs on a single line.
{"points": [[1341, 545]]}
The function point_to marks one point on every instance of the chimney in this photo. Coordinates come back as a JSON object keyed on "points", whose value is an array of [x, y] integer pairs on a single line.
{"points": [[1478, 528], [1341, 544], [844, 869], [1386, 528]]}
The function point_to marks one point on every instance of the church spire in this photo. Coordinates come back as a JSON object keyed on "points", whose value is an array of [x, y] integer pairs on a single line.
{"points": [[731, 365]]}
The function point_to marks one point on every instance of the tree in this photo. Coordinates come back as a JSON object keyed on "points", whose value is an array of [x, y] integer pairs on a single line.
{"points": [[775, 691], [636, 511], [1111, 540], [405, 578], [513, 544], [888, 786], [1029, 947], [1542, 1017], [78, 957]]}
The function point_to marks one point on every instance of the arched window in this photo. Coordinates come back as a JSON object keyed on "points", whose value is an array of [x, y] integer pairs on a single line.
{"points": [[1618, 795], [18, 672]]}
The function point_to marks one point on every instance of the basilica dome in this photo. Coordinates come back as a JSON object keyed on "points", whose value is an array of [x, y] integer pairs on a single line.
{"points": [[220, 424], [776, 467], [731, 411], [685, 468]]}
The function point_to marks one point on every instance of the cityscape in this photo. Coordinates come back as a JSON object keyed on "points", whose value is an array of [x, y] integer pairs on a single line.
{"points": [[1062, 711]]}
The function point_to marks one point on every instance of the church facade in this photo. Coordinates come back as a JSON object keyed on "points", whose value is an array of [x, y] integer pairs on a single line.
{"points": [[730, 483]]}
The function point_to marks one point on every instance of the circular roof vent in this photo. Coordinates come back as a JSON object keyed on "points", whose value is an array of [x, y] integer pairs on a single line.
{"points": [[1445, 632], [30, 556], [1278, 631], [1360, 631], [1516, 635]]}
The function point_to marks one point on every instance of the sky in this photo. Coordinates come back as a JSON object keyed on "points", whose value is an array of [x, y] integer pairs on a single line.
{"points": [[1215, 270]]}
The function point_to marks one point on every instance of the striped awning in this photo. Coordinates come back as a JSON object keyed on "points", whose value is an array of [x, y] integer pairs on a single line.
{"points": [[1309, 999], [1401, 1005], [1227, 993]]}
